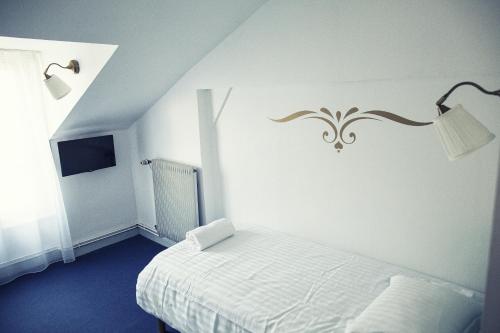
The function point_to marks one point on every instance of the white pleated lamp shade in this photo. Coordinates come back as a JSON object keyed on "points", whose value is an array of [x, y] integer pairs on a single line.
{"points": [[57, 87], [460, 132]]}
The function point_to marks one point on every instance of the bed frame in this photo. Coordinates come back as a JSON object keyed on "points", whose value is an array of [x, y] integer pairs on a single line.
{"points": [[164, 328], [161, 326]]}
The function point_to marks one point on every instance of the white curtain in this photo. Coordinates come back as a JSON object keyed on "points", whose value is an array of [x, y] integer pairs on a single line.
{"points": [[33, 224]]}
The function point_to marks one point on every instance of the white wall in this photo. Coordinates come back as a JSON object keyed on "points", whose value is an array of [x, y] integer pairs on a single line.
{"points": [[101, 201], [392, 195], [163, 135]]}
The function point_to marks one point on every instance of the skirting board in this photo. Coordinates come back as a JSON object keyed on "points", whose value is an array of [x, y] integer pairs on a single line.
{"points": [[118, 236], [151, 234]]}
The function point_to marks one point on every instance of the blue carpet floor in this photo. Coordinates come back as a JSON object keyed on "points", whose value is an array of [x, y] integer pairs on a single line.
{"points": [[96, 293]]}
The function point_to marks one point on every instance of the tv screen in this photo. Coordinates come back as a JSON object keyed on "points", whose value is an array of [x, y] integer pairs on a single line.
{"points": [[85, 155]]}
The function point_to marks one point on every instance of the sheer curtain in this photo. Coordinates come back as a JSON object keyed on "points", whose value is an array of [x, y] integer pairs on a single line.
{"points": [[33, 224]]}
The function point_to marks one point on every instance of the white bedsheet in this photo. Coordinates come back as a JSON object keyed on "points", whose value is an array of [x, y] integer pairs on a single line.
{"points": [[261, 281]]}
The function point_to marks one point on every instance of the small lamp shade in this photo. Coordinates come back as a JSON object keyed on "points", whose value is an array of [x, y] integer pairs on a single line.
{"points": [[460, 132], [57, 87]]}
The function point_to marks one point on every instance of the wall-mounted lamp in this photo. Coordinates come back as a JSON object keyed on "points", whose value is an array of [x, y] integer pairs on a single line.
{"points": [[57, 87], [459, 131]]}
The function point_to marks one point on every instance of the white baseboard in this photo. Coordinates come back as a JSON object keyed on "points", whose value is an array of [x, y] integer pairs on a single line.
{"points": [[105, 240], [118, 236], [151, 234]]}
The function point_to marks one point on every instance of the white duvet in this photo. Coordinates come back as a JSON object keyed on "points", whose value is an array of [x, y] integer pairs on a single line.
{"points": [[261, 281]]}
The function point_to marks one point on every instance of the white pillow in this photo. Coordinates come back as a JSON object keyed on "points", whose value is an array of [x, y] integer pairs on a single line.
{"points": [[416, 306]]}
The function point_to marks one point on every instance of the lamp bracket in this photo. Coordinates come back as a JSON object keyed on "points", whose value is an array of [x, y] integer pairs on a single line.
{"points": [[443, 108], [74, 65]]}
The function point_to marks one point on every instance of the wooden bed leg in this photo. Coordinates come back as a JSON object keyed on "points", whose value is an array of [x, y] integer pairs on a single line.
{"points": [[161, 326]]}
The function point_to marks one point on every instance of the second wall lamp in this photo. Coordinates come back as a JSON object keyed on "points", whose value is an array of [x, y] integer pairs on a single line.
{"points": [[460, 132], [57, 87]]}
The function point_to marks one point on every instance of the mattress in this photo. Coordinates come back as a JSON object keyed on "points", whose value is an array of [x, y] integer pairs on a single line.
{"points": [[262, 281]]}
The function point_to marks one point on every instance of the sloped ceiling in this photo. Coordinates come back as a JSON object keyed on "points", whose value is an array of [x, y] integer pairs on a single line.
{"points": [[94, 56], [159, 40]]}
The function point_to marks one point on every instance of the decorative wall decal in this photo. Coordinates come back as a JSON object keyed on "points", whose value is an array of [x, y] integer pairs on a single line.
{"points": [[339, 123]]}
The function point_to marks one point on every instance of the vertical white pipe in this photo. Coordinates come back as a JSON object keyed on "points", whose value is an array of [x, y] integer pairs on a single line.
{"points": [[213, 197]]}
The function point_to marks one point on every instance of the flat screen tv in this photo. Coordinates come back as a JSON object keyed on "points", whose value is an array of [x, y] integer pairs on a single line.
{"points": [[86, 155]]}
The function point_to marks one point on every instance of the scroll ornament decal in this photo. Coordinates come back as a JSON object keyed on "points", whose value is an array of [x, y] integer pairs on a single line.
{"points": [[339, 122]]}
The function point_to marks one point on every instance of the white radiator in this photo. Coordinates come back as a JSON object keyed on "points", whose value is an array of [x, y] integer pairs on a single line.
{"points": [[176, 198]]}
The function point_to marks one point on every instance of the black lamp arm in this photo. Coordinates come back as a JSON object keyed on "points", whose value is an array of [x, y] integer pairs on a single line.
{"points": [[443, 108], [73, 65]]}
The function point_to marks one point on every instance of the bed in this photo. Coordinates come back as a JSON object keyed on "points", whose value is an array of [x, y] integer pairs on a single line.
{"points": [[264, 281]]}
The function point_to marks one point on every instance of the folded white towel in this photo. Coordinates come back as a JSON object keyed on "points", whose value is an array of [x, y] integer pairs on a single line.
{"points": [[210, 234]]}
